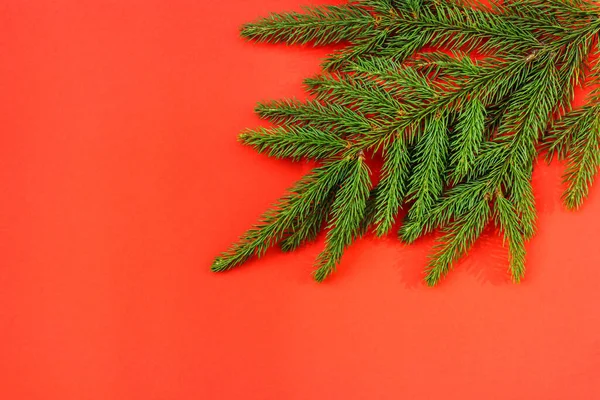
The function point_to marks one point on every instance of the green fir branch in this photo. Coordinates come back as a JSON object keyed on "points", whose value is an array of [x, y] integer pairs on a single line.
{"points": [[456, 242], [306, 230], [459, 133], [319, 25], [583, 160], [427, 181], [367, 97], [298, 204], [469, 135], [348, 212], [392, 188], [294, 142], [331, 117], [558, 141], [507, 219]]}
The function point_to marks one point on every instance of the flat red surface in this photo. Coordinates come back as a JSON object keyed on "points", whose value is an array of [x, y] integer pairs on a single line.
{"points": [[121, 178]]}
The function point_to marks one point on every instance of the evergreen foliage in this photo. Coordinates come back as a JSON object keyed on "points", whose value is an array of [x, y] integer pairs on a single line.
{"points": [[459, 127]]}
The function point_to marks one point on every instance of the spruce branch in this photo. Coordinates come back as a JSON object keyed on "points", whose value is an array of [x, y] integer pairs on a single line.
{"points": [[558, 141], [491, 82], [348, 212], [332, 117], [363, 95], [470, 131], [392, 188], [507, 219], [298, 204], [456, 202], [472, 26], [456, 242], [408, 87], [362, 46], [459, 133], [294, 142], [319, 25], [370, 213], [576, 138], [306, 230], [582, 167], [427, 181]]}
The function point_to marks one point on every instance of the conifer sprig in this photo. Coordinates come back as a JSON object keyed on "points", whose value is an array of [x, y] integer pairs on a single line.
{"points": [[469, 135], [458, 132], [348, 211], [576, 138], [427, 181], [319, 25], [507, 220], [294, 142], [288, 215], [332, 117], [457, 240], [393, 186]]}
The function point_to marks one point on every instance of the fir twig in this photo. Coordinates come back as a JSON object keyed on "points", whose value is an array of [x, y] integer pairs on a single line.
{"points": [[348, 212], [458, 133], [294, 142]]}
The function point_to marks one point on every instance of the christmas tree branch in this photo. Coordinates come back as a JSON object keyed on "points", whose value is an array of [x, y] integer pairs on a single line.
{"points": [[348, 211], [297, 205], [319, 25], [392, 188], [294, 142], [335, 118], [458, 132]]}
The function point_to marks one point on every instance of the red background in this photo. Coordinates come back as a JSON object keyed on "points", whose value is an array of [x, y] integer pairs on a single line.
{"points": [[121, 179]]}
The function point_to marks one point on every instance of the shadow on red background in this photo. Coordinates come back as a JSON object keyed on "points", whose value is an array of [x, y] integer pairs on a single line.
{"points": [[122, 178]]}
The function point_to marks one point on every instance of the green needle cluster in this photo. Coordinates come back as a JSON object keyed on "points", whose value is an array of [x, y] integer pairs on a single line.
{"points": [[456, 97]]}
